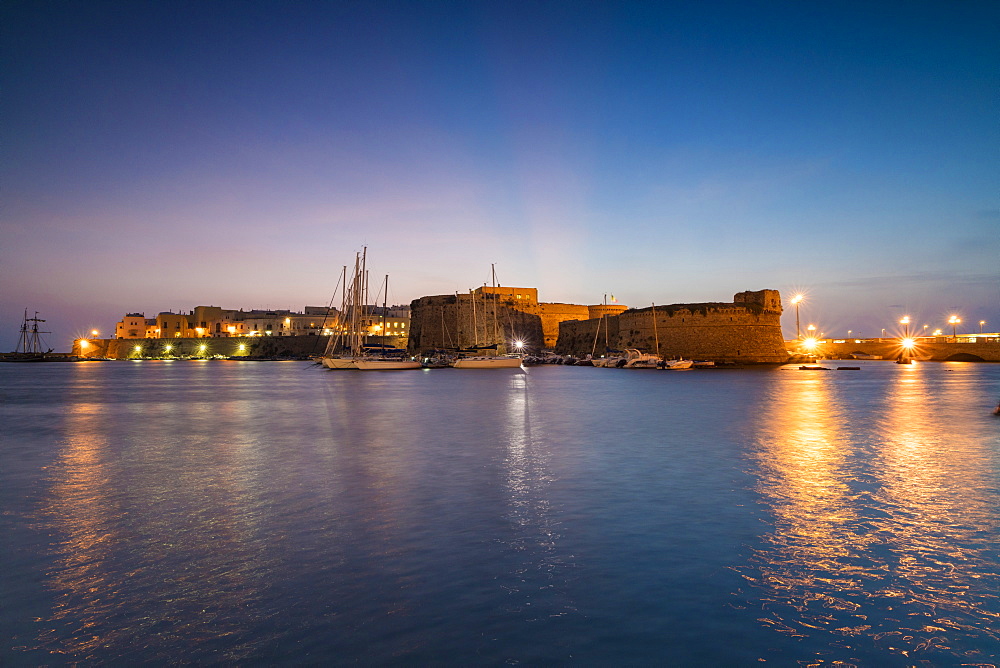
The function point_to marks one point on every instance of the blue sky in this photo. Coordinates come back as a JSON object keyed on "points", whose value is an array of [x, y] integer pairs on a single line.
{"points": [[159, 156]]}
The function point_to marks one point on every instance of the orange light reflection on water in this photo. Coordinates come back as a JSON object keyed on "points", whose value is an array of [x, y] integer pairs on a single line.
{"points": [[121, 525], [878, 541]]}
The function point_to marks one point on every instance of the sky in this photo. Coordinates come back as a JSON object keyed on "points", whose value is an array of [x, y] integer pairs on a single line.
{"points": [[158, 156]]}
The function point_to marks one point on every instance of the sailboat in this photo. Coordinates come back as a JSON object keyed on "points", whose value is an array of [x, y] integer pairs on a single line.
{"points": [[498, 361], [611, 358], [343, 349], [636, 359], [29, 343], [384, 358]]}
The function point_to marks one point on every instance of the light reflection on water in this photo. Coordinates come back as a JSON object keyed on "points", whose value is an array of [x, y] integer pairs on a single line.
{"points": [[273, 513], [885, 519]]}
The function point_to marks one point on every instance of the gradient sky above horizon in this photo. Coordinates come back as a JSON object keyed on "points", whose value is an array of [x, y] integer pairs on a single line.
{"points": [[161, 156]]}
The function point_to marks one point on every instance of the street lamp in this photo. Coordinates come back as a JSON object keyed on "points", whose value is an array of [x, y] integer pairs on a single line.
{"points": [[796, 300], [883, 332], [981, 323], [953, 321], [906, 324]]}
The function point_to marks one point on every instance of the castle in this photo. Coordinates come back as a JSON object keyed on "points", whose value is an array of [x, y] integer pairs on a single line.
{"points": [[746, 330], [478, 317]]}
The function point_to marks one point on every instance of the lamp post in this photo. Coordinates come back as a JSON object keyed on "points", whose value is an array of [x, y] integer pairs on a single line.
{"points": [[905, 322], [883, 332], [953, 321], [981, 323], [796, 300]]}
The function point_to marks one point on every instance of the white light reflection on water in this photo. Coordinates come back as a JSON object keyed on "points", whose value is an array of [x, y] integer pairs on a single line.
{"points": [[884, 538], [534, 532]]}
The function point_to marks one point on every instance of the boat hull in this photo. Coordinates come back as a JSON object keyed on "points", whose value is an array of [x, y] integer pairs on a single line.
{"points": [[339, 363], [387, 365], [487, 363]]}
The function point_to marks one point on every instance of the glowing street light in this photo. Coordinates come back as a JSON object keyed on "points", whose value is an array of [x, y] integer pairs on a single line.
{"points": [[953, 321], [906, 324], [796, 300], [981, 323], [94, 333]]}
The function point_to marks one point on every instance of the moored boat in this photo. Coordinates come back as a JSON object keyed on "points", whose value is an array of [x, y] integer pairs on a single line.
{"points": [[635, 359], [481, 362], [386, 364]]}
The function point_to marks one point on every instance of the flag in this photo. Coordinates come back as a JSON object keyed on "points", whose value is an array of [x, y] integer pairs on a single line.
{"points": [[613, 300]]}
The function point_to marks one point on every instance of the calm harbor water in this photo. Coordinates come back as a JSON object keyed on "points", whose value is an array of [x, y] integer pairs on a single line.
{"points": [[239, 512]]}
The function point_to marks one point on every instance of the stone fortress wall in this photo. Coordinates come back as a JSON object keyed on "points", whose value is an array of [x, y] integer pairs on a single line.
{"points": [[746, 330], [453, 321], [449, 321]]}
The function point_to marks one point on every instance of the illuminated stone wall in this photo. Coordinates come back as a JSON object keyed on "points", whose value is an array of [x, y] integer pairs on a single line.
{"points": [[451, 321], [747, 330], [283, 347]]}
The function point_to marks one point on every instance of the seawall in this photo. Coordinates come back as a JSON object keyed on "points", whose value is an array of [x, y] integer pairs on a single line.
{"points": [[284, 347]]}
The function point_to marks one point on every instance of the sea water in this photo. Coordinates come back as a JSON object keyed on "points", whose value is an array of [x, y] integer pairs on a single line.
{"points": [[273, 512]]}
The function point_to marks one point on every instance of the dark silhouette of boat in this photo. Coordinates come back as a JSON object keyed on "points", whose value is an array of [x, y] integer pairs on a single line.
{"points": [[30, 347]]}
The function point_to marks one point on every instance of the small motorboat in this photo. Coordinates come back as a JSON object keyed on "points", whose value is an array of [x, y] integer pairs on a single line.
{"points": [[813, 367]]}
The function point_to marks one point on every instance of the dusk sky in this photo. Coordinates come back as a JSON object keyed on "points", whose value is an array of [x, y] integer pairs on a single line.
{"points": [[160, 156]]}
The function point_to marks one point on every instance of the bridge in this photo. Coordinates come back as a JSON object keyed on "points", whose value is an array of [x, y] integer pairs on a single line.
{"points": [[985, 348]]}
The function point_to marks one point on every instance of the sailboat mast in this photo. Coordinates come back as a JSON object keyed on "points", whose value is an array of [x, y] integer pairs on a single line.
{"points": [[333, 339], [355, 306], [496, 333], [475, 322], [597, 333], [22, 341], [655, 335], [385, 296]]}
